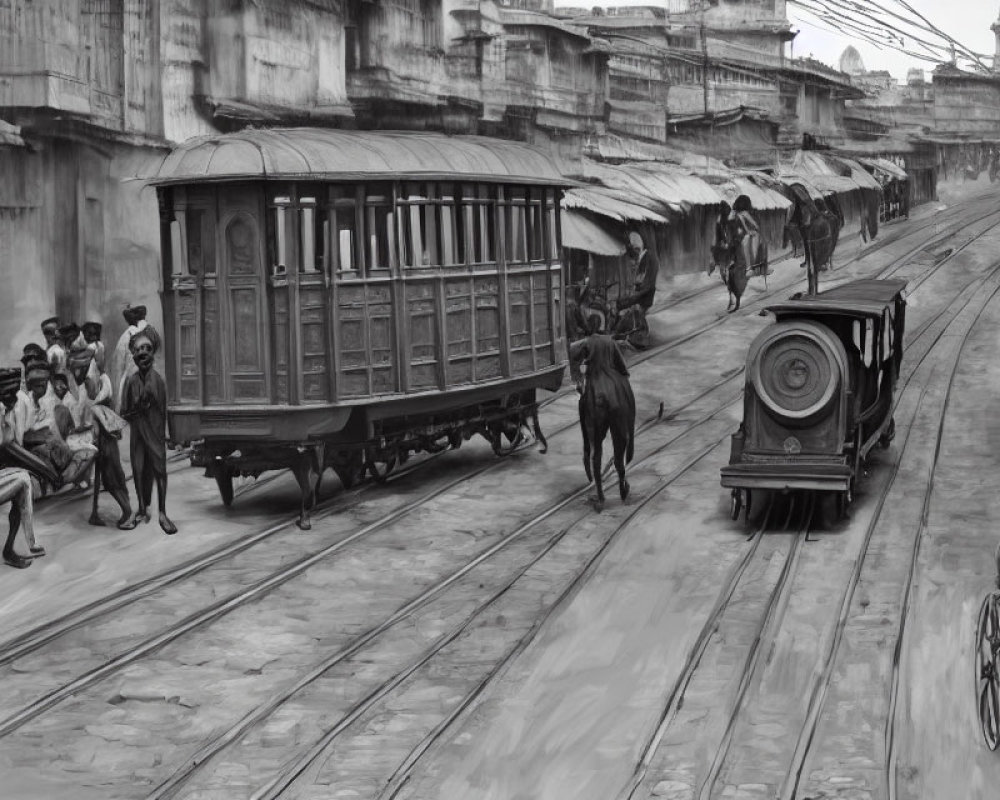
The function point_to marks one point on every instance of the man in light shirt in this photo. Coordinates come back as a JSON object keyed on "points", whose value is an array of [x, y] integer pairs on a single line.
{"points": [[15, 482]]}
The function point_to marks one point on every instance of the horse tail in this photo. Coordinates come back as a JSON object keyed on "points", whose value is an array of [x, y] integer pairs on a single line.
{"points": [[630, 447]]}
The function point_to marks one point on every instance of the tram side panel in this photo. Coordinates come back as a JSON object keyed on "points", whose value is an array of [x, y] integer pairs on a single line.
{"points": [[266, 311]]}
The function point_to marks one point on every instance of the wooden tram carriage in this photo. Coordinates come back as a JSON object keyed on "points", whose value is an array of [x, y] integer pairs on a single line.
{"points": [[342, 299], [819, 392]]}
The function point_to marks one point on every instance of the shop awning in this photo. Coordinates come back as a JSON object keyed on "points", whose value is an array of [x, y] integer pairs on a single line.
{"points": [[762, 198], [610, 204], [661, 186], [887, 168], [580, 233]]}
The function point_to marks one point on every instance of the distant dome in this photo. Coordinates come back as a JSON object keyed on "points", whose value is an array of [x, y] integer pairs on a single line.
{"points": [[850, 61]]}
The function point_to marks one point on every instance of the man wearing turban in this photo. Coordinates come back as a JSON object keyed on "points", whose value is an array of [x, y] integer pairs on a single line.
{"points": [[122, 366], [144, 406]]}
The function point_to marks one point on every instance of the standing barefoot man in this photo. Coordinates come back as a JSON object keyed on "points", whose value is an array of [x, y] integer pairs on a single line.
{"points": [[144, 405]]}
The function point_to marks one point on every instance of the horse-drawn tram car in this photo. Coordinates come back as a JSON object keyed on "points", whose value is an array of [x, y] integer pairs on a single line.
{"points": [[819, 392], [342, 299]]}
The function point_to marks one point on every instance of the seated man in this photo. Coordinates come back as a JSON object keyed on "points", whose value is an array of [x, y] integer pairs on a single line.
{"points": [[15, 481], [37, 430]]}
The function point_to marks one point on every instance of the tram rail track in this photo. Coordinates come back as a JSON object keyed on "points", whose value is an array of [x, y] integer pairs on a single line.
{"points": [[675, 697], [279, 783], [176, 460], [34, 640], [779, 598], [6, 657], [37, 637]]}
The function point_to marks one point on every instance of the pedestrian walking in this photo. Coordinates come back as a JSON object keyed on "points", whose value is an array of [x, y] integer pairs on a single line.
{"points": [[144, 407]]}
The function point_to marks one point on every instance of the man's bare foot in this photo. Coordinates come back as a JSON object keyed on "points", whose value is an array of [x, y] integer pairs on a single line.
{"points": [[168, 527]]}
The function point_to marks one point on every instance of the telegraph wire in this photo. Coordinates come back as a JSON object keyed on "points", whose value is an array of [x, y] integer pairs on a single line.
{"points": [[843, 16]]}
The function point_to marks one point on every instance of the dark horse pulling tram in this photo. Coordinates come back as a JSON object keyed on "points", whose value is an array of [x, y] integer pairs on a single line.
{"points": [[819, 392], [342, 299]]}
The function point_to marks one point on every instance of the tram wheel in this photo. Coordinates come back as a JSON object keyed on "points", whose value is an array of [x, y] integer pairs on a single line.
{"points": [[844, 500], [381, 474], [224, 480], [987, 677], [735, 504]]}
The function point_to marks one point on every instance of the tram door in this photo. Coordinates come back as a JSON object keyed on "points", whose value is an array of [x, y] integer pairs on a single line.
{"points": [[240, 346]]}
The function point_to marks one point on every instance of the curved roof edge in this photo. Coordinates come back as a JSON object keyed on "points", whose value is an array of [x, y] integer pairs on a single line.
{"points": [[321, 153]]}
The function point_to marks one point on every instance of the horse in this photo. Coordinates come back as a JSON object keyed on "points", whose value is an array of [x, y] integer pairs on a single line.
{"points": [[606, 404], [818, 227], [738, 250]]}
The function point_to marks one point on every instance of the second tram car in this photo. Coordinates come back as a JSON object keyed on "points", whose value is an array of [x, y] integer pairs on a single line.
{"points": [[343, 298], [819, 392]]}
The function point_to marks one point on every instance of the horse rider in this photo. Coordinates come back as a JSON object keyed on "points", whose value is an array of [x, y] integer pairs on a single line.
{"points": [[606, 403]]}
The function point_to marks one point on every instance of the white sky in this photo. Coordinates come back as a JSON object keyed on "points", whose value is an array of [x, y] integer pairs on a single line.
{"points": [[968, 21]]}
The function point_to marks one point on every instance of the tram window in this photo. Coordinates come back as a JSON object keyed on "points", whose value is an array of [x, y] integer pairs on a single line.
{"points": [[429, 232], [517, 225], [448, 239], [176, 263], [344, 224], [380, 233], [535, 233], [551, 240], [200, 242], [308, 233], [419, 233], [478, 224], [280, 243]]}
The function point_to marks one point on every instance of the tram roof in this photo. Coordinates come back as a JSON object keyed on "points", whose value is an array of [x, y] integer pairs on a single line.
{"points": [[318, 153], [864, 298]]}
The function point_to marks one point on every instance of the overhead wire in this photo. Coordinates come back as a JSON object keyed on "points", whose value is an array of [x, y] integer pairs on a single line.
{"points": [[940, 32], [846, 15], [835, 25]]}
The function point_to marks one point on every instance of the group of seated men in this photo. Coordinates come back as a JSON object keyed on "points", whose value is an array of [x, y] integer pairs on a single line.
{"points": [[61, 424]]}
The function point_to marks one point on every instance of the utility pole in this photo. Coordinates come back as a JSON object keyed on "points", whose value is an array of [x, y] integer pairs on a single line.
{"points": [[704, 56]]}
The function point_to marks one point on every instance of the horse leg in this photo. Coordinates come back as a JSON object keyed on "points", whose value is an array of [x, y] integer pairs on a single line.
{"points": [[596, 466], [306, 477], [619, 439], [537, 429], [585, 430]]}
